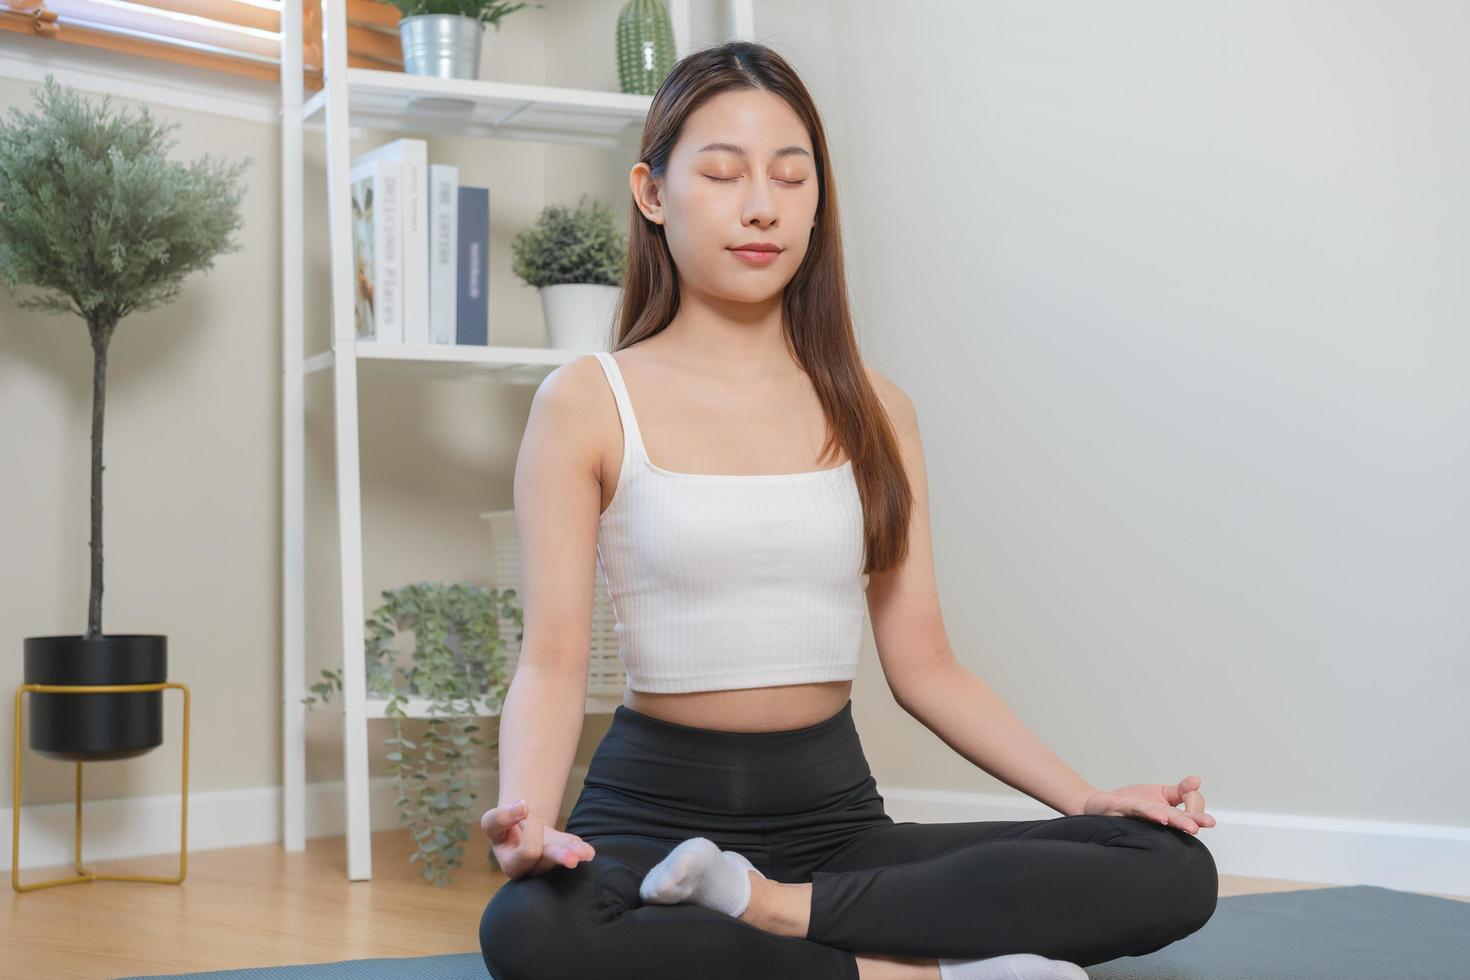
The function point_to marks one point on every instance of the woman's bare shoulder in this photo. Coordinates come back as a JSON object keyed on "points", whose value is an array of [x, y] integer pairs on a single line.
{"points": [[569, 410]]}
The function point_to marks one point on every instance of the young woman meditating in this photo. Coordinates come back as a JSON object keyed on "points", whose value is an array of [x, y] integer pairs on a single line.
{"points": [[753, 492]]}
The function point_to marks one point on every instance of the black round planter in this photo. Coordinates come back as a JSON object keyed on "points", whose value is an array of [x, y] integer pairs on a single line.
{"points": [[96, 727]]}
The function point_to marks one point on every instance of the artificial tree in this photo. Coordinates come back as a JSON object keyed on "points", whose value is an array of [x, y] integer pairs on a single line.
{"points": [[92, 210]]}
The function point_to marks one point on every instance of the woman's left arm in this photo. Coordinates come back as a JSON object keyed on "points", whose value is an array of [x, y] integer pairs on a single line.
{"points": [[970, 717], [930, 683]]}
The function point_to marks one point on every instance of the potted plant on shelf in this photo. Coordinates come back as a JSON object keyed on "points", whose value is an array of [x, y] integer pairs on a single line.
{"points": [[645, 44], [442, 37], [577, 260], [457, 664], [92, 209]]}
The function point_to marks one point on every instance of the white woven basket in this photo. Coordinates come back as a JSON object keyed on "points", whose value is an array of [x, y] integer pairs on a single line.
{"points": [[605, 673]]}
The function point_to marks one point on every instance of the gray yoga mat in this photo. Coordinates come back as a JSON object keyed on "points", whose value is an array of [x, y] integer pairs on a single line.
{"points": [[1358, 932]]}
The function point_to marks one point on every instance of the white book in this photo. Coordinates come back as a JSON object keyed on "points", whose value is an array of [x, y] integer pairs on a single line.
{"points": [[413, 156], [443, 251], [377, 250]]}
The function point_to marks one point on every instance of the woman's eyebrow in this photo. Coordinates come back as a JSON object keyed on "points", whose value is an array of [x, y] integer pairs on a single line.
{"points": [[784, 151]]}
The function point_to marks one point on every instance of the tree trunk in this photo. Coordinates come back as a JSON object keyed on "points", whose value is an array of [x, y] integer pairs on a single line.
{"points": [[101, 332]]}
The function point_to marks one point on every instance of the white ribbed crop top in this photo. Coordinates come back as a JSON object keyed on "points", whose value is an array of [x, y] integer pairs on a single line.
{"points": [[722, 581]]}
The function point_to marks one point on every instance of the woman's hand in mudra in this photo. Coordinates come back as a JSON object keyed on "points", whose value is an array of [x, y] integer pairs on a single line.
{"points": [[1155, 802], [524, 845]]}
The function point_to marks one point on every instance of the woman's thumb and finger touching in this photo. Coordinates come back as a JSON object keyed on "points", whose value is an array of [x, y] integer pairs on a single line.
{"points": [[515, 841], [1154, 802], [526, 846], [501, 822]]}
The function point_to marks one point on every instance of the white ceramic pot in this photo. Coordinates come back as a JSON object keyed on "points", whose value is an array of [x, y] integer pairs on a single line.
{"points": [[579, 315]]}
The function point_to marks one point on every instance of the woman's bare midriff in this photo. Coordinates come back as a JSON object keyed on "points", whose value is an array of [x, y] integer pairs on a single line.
{"points": [[746, 709]]}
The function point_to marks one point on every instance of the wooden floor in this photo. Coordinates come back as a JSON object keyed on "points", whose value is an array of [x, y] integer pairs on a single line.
{"points": [[260, 906]]}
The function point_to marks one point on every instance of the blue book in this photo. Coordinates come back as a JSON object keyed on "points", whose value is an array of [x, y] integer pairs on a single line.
{"points": [[472, 308]]}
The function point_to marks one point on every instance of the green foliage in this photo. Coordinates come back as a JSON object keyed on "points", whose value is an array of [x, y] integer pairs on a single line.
{"points": [[485, 11], [571, 245], [442, 618], [92, 208]]}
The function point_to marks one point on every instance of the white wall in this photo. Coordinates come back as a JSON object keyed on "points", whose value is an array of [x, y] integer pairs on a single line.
{"points": [[1179, 291]]}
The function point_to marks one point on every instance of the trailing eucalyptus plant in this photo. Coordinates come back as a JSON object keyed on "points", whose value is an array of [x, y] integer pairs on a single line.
{"points": [[457, 664]]}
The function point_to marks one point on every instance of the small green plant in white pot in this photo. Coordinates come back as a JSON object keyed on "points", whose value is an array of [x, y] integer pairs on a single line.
{"points": [[442, 37], [576, 259]]}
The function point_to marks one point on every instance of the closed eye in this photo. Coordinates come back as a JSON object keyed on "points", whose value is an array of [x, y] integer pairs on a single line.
{"points": [[726, 180]]}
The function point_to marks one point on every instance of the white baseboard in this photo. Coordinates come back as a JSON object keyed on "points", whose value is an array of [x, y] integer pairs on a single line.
{"points": [[141, 826], [1405, 856]]}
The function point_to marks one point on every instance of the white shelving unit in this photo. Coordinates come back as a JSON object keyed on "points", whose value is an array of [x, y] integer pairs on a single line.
{"points": [[413, 105]]}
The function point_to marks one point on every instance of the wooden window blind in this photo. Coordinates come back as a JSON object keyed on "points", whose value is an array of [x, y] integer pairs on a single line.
{"points": [[241, 37]]}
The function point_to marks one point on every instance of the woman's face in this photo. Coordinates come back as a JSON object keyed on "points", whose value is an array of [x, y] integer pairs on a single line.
{"points": [[742, 171]]}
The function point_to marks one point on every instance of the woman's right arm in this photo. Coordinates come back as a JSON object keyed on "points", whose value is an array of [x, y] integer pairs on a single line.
{"points": [[557, 505]]}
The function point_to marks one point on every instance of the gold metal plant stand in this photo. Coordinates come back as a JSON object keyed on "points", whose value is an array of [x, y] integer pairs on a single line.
{"points": [[82, 873]]}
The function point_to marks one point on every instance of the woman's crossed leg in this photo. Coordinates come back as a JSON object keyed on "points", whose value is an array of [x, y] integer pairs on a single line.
{"points": [[1084, 889], [882, 906], [589, 922]]}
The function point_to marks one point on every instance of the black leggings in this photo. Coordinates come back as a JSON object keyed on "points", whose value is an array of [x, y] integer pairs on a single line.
{"points": [[802, 805]]}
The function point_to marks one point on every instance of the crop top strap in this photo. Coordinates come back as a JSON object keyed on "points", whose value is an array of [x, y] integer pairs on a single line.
{"points": [[632, 437]]}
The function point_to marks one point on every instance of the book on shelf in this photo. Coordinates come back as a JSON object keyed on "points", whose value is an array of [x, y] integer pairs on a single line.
{"points": [[443, 245], [423, 252], [377, 251], [472, 295], [412, 156]]}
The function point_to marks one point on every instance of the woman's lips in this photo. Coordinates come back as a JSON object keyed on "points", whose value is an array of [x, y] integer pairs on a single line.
{"points": [[753, 257]]}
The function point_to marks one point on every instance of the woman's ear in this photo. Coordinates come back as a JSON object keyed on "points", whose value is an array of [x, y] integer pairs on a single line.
{"points": [[645, 192]]}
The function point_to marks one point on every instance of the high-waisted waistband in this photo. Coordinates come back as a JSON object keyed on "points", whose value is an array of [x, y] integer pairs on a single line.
{"points": [[647, 761], [712, 737]]}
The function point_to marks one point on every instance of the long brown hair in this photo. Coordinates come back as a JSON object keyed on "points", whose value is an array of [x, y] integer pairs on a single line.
{"points": [[818, 320]]}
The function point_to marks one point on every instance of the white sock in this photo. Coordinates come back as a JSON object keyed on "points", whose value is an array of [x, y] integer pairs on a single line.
{"points": [[1012, 966], [698, 871], [741, 860]]}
